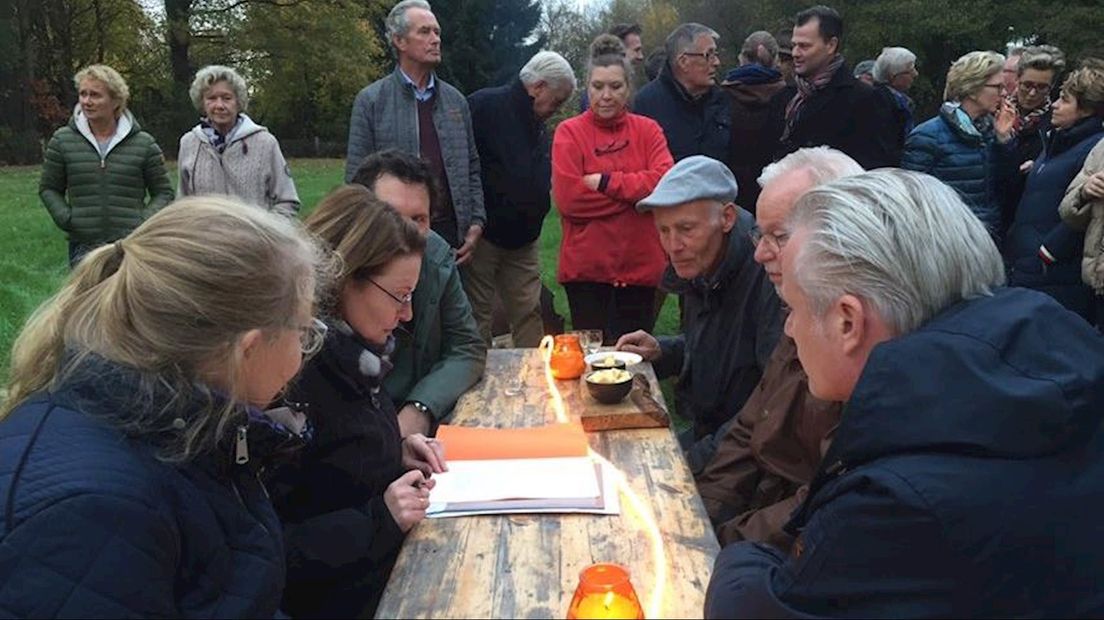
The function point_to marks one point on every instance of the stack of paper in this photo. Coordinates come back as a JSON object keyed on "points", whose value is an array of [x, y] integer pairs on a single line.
{"points": [[541, 469]]}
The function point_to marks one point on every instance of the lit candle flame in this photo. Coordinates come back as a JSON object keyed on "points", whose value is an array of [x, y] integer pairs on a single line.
{"points": [[640, 509]]}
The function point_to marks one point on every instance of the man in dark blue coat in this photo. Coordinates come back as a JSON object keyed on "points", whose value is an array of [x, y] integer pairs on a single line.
{"points": [[517, 178], [967, 474], [685, 100]]}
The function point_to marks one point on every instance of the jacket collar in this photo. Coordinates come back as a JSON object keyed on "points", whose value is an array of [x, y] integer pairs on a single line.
{"points": [[244, 128], [522, 103], [358, 365], [667, 78], [973, 131], [125, 126], [1061, 140]]}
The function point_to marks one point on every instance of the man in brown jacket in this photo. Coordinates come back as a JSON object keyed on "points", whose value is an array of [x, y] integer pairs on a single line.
{"points": [[772, 449]]}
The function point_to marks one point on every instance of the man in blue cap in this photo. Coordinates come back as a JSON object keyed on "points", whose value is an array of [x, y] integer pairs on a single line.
{"points": [[731, 313]]}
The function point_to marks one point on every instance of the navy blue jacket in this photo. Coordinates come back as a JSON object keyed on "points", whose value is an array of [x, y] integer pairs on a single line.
{"points": [[699, 126], [96, 526], [515, 164], [951, 149], [1036, 222], [966, 479]]}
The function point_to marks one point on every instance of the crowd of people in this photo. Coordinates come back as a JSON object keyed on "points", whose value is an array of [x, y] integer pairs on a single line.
{"points": [[889, 350]]}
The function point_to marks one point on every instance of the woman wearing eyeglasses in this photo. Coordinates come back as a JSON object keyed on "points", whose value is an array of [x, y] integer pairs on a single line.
{"points": [[603, 161], [1038, 69], [963, 145], [132, 432], [359, 486]]}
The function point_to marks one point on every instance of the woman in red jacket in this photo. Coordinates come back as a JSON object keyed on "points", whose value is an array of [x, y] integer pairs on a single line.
{"points": [[603, 162]]}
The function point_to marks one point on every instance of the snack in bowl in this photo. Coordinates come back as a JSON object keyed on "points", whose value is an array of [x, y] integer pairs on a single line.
{"points": [[609, 386], [609, 361]]}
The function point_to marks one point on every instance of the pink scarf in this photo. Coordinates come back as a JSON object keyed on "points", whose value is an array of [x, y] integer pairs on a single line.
{"points": [[806, 88]]}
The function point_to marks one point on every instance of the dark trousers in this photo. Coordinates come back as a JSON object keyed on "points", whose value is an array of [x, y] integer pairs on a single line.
{"points": [[616, 310], [77, 250]]}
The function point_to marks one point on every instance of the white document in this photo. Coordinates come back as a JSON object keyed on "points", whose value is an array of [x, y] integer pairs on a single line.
{"points": [[510, 479], [608, 503]]}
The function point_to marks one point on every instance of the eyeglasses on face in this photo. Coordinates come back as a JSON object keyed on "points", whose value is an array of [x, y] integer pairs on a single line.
{"points": [[311, 336], [708, 55], [1034, 87], [402, 301], [998, 87], [774, 241]]}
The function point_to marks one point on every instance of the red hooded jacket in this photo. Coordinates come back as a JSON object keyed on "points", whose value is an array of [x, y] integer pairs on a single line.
{"points": [[604, 238]]}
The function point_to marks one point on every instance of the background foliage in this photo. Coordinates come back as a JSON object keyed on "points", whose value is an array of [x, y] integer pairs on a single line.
{"points": [[306, 59]]}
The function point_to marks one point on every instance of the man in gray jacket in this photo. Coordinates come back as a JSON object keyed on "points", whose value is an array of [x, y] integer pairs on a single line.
{"points": [[415, 111]]}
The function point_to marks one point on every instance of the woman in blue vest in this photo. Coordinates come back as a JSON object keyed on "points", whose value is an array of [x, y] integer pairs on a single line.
{"points": [[1041, 251]]}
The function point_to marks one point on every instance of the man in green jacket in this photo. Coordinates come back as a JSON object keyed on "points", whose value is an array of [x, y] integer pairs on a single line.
{"points": [[440, 354], [100, 166]]}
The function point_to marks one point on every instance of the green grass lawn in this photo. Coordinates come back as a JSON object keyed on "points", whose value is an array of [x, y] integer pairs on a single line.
{"points": [[33, 260]]}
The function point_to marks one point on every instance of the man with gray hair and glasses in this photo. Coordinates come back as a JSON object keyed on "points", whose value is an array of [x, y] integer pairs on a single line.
{"points": [[685, 99], [512, 140], [767, 456], [416, 112], [967, 474]]}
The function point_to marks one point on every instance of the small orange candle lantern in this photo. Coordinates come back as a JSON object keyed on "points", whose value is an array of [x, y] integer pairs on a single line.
{"points": [[567, 357], [605, 592]]}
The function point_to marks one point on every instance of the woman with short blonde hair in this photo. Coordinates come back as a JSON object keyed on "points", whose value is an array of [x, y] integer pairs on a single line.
{"points": [[100, 167], [227, 153], [965, 144], [133, 430]]}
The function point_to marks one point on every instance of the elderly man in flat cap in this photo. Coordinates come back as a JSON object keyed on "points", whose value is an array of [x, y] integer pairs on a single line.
{"points": [[731, 314]]}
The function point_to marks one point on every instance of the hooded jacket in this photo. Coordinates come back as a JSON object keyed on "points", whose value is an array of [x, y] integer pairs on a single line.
{"points": [[96, 525], [751, 88], [250, 167], [100, 199], [732, 321], [1038, 225], [951, 148], [966, 479]]}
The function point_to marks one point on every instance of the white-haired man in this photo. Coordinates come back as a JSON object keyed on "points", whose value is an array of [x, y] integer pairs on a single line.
{"points": [[416, 112], [513, 147], [894, 73], [731, 314], [770, 452], [966, 476]]}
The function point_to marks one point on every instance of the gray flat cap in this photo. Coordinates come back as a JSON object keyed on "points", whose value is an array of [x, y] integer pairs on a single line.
{"points": [[694, 178]]}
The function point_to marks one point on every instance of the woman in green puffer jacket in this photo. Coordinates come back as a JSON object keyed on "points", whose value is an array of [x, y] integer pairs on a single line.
{"points": [[100, 167]]}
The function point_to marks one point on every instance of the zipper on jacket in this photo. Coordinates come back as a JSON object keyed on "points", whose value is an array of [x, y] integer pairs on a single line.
{"points": [[241, 446]]}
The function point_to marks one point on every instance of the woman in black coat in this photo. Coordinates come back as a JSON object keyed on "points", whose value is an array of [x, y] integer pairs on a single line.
{"points": [[359, 486]]}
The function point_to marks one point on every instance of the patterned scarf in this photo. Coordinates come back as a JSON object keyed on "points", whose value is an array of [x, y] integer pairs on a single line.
{"points": [[1028, 123], [806, 88]]}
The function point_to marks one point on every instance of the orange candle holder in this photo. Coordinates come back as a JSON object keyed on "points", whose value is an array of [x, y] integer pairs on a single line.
{"points": [[567, 360], [605, 591]]}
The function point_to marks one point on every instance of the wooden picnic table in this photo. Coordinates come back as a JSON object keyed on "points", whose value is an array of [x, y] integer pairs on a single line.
{"points": [[527, 566]]}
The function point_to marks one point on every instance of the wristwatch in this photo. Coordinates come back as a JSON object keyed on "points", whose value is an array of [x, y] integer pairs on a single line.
{"points": [[421, 407]]}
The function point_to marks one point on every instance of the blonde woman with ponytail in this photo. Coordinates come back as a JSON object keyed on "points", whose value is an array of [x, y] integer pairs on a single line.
{"points": [[132, 432]]}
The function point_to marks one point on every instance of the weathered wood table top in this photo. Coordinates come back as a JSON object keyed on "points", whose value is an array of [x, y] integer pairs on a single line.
{"points": [[527, 566]]}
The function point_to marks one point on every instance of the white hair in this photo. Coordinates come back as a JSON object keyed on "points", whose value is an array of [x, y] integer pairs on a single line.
{"points": [[892, 61], [900, 240], [682, 38], [212, 74], [396, 22], [824, 164], [550, 68]]}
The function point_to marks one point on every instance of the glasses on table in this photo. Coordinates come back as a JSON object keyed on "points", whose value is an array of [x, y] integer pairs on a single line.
{"points": [[402, 301], [311, 336], [775, 241]]}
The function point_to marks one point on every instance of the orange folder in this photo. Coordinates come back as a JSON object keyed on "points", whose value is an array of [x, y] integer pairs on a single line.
{"points": [[471, 443]]}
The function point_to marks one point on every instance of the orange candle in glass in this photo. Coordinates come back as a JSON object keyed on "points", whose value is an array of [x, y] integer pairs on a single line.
{"points": [[605, 592], [567, 357]]}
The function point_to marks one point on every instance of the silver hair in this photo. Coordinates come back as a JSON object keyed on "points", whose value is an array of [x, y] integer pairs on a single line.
{"points": [[550, 68], [891, 62], [902, 241], [682, 38], [824, 164], [760, 47], [396, 22], [212, 74]]}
